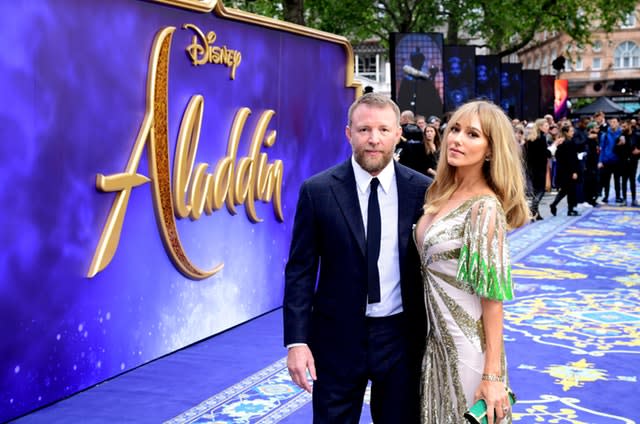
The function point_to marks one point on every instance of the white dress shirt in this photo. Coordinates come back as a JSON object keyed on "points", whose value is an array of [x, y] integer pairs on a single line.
{"points": [[389, 259]]}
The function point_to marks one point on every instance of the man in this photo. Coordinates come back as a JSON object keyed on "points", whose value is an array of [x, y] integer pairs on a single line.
{"points": [[339, 324], [410, 131], [609, 163], [435, 121]]}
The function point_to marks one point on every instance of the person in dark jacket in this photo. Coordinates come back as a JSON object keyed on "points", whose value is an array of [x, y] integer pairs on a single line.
{"points": [[630, 160], [423, 157], [591, 180], [537, 160], [353, 296], [568, 169]]}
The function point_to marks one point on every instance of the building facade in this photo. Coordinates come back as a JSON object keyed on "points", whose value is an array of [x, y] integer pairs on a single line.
{"points": [[609, 66]]}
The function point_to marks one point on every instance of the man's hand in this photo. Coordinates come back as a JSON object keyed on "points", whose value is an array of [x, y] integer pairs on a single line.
{"points": [[299, 359]]}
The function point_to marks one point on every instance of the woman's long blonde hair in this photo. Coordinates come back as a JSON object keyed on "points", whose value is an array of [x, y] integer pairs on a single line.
{"points": [[504, 172]]}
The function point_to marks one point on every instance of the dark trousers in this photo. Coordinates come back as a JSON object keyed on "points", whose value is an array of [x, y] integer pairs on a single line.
{"points": [[629, 174], [394, 380], [606, 172], [568, 189], [591, 185], [536, 198]]}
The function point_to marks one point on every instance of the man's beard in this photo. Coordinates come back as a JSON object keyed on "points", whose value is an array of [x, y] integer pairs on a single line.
{"points": [[373, 165]]}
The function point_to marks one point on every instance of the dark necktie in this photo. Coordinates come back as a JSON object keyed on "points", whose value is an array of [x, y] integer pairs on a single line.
{"points": [[373, 243]]}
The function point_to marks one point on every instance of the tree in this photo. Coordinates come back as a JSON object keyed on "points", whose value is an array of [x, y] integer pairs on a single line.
{"points": [[504, 26], [294, 11]]}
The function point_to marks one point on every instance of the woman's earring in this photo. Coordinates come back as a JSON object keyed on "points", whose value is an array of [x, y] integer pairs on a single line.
{"points": [[487, 158]]}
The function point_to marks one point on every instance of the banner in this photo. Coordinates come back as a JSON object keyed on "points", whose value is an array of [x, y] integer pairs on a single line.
{"points": [[417, 81], [152, 154], [531, 95], [560, 96], [546, 94], [488, 78], [511, 89], [459, 76]]}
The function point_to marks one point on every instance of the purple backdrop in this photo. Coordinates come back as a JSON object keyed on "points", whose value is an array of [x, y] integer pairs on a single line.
{"points": [[73, 100]]}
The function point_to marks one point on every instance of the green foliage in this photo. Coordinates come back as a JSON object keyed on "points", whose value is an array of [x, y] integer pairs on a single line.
{"points": [[579, 103], [269, 8], [505, 26]]}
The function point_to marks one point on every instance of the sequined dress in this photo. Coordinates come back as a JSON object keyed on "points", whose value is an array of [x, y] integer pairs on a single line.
{"points": [[464, 257]]}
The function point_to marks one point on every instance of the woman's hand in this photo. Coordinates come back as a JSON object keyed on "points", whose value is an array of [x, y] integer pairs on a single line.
{"points": [[495, 396]]}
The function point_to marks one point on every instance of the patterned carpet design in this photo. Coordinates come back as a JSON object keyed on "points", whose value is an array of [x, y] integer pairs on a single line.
{"points": [[572, 334]]}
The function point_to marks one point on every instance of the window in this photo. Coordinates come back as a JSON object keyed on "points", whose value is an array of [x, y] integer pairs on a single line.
{"points": [[596, 63], [578, 66], [597, 46], [627, 55], [629, 21], [366, 65]]}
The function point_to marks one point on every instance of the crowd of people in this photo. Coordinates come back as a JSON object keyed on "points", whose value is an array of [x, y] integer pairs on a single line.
{"points": [[576, 159]]}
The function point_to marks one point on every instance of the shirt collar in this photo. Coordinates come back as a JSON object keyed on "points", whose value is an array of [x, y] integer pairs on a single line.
{"points": [[363, 178]]}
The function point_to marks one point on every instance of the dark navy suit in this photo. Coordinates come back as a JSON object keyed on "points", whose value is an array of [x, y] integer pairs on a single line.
{"points": [[326, 294]]}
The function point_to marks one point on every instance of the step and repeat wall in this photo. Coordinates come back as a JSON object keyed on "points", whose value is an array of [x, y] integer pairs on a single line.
{"points": [[150, 162]]}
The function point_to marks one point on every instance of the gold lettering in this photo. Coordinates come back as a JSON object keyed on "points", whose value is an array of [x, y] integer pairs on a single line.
{"points": [[202, 51], [154, 132], [188, 139], [236, 183], [192, 190]]}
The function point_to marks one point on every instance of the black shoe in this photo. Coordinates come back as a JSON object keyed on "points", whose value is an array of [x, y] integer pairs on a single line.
{"points": [[539, 217], [553, 208], [605, 200], [635, 203], [621, 201], [573, 213]]}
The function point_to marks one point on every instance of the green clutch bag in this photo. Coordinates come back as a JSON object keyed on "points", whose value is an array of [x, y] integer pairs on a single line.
{"points": [[477, 414]]}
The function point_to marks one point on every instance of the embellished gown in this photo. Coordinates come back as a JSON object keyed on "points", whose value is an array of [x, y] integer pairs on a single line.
{"points": [[464, 257]]}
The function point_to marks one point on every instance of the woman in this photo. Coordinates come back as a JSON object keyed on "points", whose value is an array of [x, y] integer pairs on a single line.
{"points": [[567, 170], [537, 158], [478, 193], [591, 181], [431, 148]]}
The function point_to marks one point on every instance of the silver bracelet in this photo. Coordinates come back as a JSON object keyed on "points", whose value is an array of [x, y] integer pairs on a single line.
{"points": [[492, 377]]}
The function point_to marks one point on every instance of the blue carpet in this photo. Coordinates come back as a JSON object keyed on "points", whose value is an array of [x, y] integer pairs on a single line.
{"points": [[572, 337], [164, 388], [573, 332]]}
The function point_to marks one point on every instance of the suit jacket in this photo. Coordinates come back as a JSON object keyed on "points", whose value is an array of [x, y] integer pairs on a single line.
{"points": [[325, 277]]}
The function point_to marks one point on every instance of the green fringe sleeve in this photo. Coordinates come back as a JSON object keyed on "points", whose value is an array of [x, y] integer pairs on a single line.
{"points": [[484, 264]]}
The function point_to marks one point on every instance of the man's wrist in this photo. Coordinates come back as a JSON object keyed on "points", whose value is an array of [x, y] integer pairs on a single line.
{"points": [[289, 346]]}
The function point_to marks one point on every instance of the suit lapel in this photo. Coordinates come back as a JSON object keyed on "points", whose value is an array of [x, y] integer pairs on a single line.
{"points": [[346, 193], [406, 209]]}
